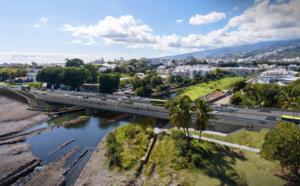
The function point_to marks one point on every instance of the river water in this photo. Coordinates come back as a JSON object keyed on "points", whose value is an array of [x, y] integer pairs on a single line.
{"points": [[88, 134]]}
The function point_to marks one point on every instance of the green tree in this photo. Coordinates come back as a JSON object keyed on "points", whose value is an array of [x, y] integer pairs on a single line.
{"points": [[179, 79], [218, 71], [94, 72], [117, 69], [171, 79], [108, 83], [75, 77], [282, 144], [237, 86], [288, 95], [52, 75], [202, 109], [155, 81], [157, 89], [180, 112], [236, 99], [76, 62]]}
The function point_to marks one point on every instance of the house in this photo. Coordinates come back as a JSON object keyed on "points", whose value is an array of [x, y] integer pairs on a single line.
{"points": [[102, 69], [161, 69], [90, 87], [31, 77]]}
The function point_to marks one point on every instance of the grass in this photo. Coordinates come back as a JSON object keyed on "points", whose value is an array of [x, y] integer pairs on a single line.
{"points": [[134, 137], [2, 83], [247, 138], [125, 75], [219, 165], [202, 89]]}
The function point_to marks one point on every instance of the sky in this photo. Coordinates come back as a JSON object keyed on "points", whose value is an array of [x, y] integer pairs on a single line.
{"points": [[50, 31]]}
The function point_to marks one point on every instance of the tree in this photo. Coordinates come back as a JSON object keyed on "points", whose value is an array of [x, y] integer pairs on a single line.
{"points": [[155, 81], [201, 110], [288, 95], [76, 62], [108, 83], [52, 75], [136, 82], [282, 144], [94, 72], [218, 71], [236, 99], [117, 69], [180, 112], [171, 79], [144, 91], [75, 77], [179, 79], [157, 89], [237, 86]]}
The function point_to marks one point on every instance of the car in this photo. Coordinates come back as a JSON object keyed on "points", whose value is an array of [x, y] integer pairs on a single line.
{"points": [[12, 87], [85, 97], [103, 98], [147, 99], [67, 95], [125, 97], [44, 93], [263, 110], [217, 113], [137, 98], [35, 92], [79, 97], [233, 109], [218, 105], [271, 118]]}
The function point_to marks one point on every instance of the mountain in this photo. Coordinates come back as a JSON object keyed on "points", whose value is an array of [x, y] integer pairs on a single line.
{"points": [[249, 50]]}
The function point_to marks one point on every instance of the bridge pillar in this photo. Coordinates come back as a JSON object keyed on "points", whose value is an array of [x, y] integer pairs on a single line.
{"points": [[135, 117], [88, 111], [96, 111]]}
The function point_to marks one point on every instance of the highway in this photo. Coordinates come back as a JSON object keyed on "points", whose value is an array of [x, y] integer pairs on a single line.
{"points": [[141, 106]]}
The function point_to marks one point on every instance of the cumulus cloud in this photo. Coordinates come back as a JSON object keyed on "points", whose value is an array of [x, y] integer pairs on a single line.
{"points": [[36, 25], [76, 42], [209, 18], [124, 29], [235, 8], [44, 19], [179, 20], [264, 21]]}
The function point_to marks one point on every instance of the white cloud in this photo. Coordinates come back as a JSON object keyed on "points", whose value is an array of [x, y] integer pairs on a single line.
{"points": [[91, 42], [258, 1], [235, 8], [209, 18], [124, 29], [264, 21], [44, 19], [279, 1], [36, 25], [179, 20], [76, 42]]}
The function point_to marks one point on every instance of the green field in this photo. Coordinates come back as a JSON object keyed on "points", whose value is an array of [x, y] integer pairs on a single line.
{"points": [[2, 83], [215, 165], [247, 138], [202, 89]]}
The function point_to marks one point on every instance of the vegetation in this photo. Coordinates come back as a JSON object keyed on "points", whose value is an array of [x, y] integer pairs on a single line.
{"points": [[206, 164], [202, 89], [52, 75], [35, 84], [93, 71], [201, 110], [76, 62], [283, 144], [12, 73], [75, 77], [246, 138], [129, 143], [268, 95], [108, 83]]}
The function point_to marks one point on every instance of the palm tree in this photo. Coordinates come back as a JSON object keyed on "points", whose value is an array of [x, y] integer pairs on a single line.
{"points": [[180, 112], [201, 110], [288, 95]]}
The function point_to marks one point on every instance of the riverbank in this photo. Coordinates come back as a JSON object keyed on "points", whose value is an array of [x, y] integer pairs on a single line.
{"points": [[15, 117]]}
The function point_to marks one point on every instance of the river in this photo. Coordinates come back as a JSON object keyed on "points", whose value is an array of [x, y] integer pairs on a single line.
{"points": [[88, 134]]}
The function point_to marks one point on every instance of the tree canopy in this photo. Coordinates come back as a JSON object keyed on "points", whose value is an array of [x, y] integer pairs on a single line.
{"points": [[76, 62], [108, 83], [75, 77], [283, 144]]}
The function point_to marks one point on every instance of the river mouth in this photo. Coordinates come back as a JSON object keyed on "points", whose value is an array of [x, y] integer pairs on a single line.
{"points": [[88, 134]]}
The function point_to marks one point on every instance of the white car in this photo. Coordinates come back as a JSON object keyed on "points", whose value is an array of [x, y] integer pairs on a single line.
{"points": [[217, 113], [232, 109], [137, 98], [147, 99], [67, 95], [218, 105], [79, 97]]}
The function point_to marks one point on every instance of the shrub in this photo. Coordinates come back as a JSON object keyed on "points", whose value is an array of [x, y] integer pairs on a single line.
{"points": [[113, 150], [130, 131]]}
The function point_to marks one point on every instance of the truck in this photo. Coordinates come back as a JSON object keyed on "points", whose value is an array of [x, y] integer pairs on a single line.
{"points": [[25, 88]]}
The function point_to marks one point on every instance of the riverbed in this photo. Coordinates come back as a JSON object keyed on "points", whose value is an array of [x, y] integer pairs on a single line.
{"points": [[87, 134]]}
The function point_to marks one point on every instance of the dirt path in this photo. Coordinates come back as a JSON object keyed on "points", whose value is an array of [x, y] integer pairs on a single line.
{"points": [[16, 161], [53, 173]]}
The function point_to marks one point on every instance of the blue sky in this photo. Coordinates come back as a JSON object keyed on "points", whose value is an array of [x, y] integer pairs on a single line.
{"points": [[50, 31]]}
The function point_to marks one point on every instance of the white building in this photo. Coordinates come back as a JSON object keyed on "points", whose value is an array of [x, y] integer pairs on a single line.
{"points": [[31, 77], [161, 69], [278, 75], [152, 61]]}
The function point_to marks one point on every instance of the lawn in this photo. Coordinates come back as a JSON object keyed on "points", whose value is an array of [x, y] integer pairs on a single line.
{"points": [[2, 83], [207, 164], [125, 75], [247, 138], [202, 89]]}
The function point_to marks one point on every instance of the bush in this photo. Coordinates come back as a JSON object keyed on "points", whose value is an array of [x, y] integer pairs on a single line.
{"points": [[113, 150], [130, 131]]}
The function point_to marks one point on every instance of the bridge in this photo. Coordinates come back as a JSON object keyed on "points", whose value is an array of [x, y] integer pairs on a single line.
{"points": [[141, 107]]}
